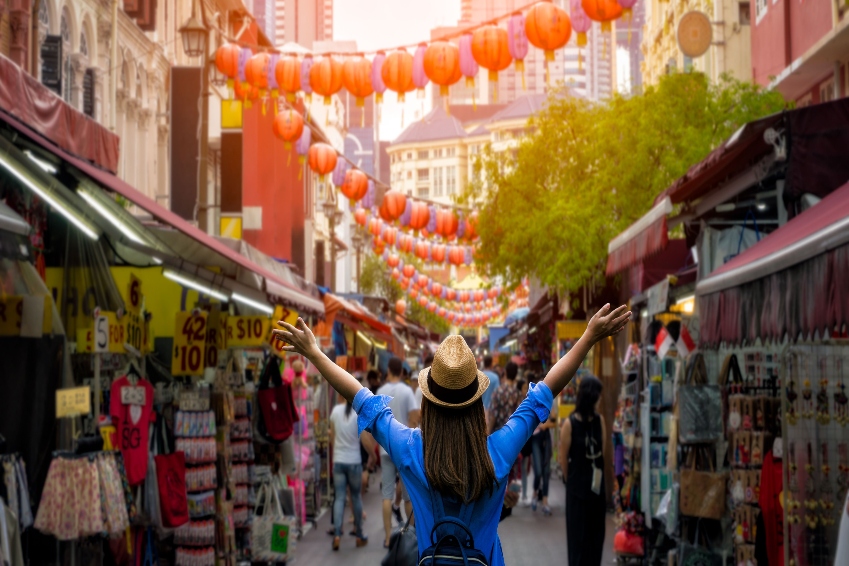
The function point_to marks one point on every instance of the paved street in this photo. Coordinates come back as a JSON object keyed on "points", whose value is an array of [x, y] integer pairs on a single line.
{"points": [[523, 535]]}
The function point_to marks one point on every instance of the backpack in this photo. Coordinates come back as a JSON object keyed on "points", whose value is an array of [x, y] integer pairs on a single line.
{"points": [[456, 546]]}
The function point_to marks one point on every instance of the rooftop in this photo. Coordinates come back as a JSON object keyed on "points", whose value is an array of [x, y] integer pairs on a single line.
{"points": [[436, 125]]}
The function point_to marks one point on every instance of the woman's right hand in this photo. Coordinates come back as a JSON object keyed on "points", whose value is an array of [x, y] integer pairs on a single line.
{"points": [[607, 322], [300, 339]]}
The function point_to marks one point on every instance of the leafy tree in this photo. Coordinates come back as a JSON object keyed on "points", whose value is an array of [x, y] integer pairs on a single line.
{"points": [[376, 280], [549, 208]]}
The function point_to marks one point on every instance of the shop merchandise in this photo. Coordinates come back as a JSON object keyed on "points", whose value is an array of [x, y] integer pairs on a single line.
{"points": [[771, 493], [276, 404], [16, 492], [131, 416], [271, 530], [10, 538]]}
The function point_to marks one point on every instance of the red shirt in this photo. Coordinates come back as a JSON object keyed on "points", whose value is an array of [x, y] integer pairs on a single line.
{"points": [[772, 509], [132, 426]]}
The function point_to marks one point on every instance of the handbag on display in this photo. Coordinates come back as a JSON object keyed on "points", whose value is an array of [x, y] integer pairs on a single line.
{"points": [[277, 412], [699, 406], [173, 503], [702, 493], [403, 547], [272, 533]]}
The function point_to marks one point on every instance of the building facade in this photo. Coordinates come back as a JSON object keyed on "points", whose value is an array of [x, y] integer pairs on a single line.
{"points": [[303, 22], [730, 51], [801, 50]]}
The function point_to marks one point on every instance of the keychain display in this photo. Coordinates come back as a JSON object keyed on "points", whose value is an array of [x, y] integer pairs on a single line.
{"points": [[204, 478], [201, 505], [194, 424], [196, 533], [198, 450], [195, 557]]}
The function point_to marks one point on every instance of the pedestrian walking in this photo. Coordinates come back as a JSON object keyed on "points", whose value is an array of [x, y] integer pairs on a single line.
{"points": [[541, 453], [347, 469], [493, 380], [403, 406], [505, 399], [582, 441], [450, 467]]}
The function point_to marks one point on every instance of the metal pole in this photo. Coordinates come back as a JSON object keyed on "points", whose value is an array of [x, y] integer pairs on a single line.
{"points": [[203, 189]]}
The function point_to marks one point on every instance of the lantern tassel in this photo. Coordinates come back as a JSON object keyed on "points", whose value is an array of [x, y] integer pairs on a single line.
{"points": [[580, 59]]}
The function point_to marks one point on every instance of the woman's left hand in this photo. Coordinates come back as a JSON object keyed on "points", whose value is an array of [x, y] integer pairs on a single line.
{"points": [[300, 339]]}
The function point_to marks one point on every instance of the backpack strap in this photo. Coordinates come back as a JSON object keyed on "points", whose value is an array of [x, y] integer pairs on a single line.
{"points": [[462, 521]]}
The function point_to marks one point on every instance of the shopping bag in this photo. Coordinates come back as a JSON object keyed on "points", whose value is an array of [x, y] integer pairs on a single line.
{"points": [[173, 497], [699, 406], [628, 543], [276, 405], [702, 493], [403, 547], [272, 533]]}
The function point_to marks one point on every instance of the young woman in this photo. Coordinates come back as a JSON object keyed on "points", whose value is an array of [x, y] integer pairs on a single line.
{"points": [[451, 457], [582, 441]]}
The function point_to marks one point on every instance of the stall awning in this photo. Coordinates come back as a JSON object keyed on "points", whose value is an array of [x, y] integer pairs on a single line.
{"points": [[334, 304], [646, 236], [275, 284], [792, 282]]}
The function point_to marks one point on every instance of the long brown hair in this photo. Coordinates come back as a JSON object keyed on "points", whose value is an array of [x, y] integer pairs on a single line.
{"points": [[457, 461]]}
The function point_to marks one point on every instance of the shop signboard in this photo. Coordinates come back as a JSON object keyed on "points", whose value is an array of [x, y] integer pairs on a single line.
{"points": [[571, 329], [73, 402], [247, 331], [216, 336], [104, 333], [287, 314], [658, 297], [135, 316], [189, 343], [17, 314]]}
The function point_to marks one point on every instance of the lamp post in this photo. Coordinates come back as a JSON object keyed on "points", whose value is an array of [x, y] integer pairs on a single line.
{"points": [[195, 34], [333, 215], [359, 238]]}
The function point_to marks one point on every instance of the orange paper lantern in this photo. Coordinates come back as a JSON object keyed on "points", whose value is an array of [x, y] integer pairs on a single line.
{"points": [[409, 270], [375, 226], [446, 223], [288, 75], [414, 294], [394, 203], [394, 260], [401, 306], [355, 186], [423, 301], [471, 226], [397, 73], [442, 64], [322, 158], [288, 126], [256, 71], [478, 296], [604, 11], [548, 27], [491, 50], [437, 253], [450, 294], [405, 243], [422, 280], [361, 216], [456, 255], [245, 92], [419, 216], [326, 77], [436, 289], [356, 77], [390, 235], [227, 62]]}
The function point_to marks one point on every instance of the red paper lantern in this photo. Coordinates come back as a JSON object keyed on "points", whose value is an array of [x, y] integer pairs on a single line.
{"points": [[491, 50], [467, 307], [409, 270], [446, 223], [375, 226], [287, 71], [394, 260], [431, 306], [451, 294], [245, 92], [422, 301], [437, 253], [471, 226], [604, 11], [422, 281], [464, 296], [326, 77], [456, 255], [442, 64], [405, 243], [355, 186], [356, 76], [478, 296], [256, 71], [419, 216], [322, 158], [394, 203], [548, 27], [361, 216], [489, 303], [390, 235], [422, 249], [405, 283], [493, 293], [401, 306], [414, 294], [441, 312], [288, 126], [227, 62], [436, 289], [397, 73], [396, 275]]}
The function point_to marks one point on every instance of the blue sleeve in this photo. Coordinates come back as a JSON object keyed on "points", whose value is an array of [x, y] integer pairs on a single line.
{"points": [[375, 416], [506, 443]]}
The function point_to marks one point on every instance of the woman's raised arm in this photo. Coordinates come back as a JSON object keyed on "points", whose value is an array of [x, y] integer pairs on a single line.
{"points": [[300, 339]]}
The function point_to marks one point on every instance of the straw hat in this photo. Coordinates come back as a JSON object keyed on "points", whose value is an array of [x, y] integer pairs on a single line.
{"points": [[454, 379]]}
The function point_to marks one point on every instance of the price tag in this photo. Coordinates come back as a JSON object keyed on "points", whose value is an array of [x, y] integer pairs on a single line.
{"points": [[101, 333], [247, 331], [133, 396], [134, 295], [73, 402], [189, 343], [285, 314]]}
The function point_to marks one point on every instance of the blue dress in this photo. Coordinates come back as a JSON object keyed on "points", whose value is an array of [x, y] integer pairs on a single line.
{"points": [[404, 446]]}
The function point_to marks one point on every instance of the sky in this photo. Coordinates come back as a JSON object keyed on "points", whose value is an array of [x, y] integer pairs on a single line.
{"points": [[384, 24]]}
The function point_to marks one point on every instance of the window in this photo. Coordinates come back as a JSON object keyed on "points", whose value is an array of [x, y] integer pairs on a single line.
{"points": [[451, 180], [745, 13], [450, 152], [760, 9], [409, 174], [438, 188], [423, 174], [437, 152], [84, 43], [422, 154], [67, 68], [409, 155], [423, 192]]}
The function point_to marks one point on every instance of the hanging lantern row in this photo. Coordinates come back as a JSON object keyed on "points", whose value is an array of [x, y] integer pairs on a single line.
{"points": [[545, 26], [431, 252], [428, 221], [408, 271], [458, 315]]}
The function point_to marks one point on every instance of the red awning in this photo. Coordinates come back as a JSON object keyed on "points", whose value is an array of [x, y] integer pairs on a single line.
{"points": [[29, 102], [645, 237], [274, 284], [334, 304]]}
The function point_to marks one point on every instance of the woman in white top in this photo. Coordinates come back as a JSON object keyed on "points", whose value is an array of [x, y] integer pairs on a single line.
{"points": [[347, 469]]}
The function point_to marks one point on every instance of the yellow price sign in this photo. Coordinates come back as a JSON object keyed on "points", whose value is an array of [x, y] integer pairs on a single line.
{"points": [[285, 314], [216, 337], [73, 402], [189, 343], [11, 315], [135, 298], [247, 331], [107, 334]]}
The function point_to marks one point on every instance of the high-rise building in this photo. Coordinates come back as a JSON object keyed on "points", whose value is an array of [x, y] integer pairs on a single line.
{"points": [[511, 84], [600, 70], [304, 22], [629, 55], [263, 12]]}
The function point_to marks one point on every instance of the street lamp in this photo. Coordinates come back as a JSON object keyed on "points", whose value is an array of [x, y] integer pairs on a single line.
{"points": [[360, 239], [194, 34]]}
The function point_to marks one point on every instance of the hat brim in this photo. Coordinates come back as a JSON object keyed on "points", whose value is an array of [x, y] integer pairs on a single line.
{"points": [[483, 384]]}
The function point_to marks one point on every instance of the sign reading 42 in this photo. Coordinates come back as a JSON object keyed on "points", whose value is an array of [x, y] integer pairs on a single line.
{"points": [[189, 343]]}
